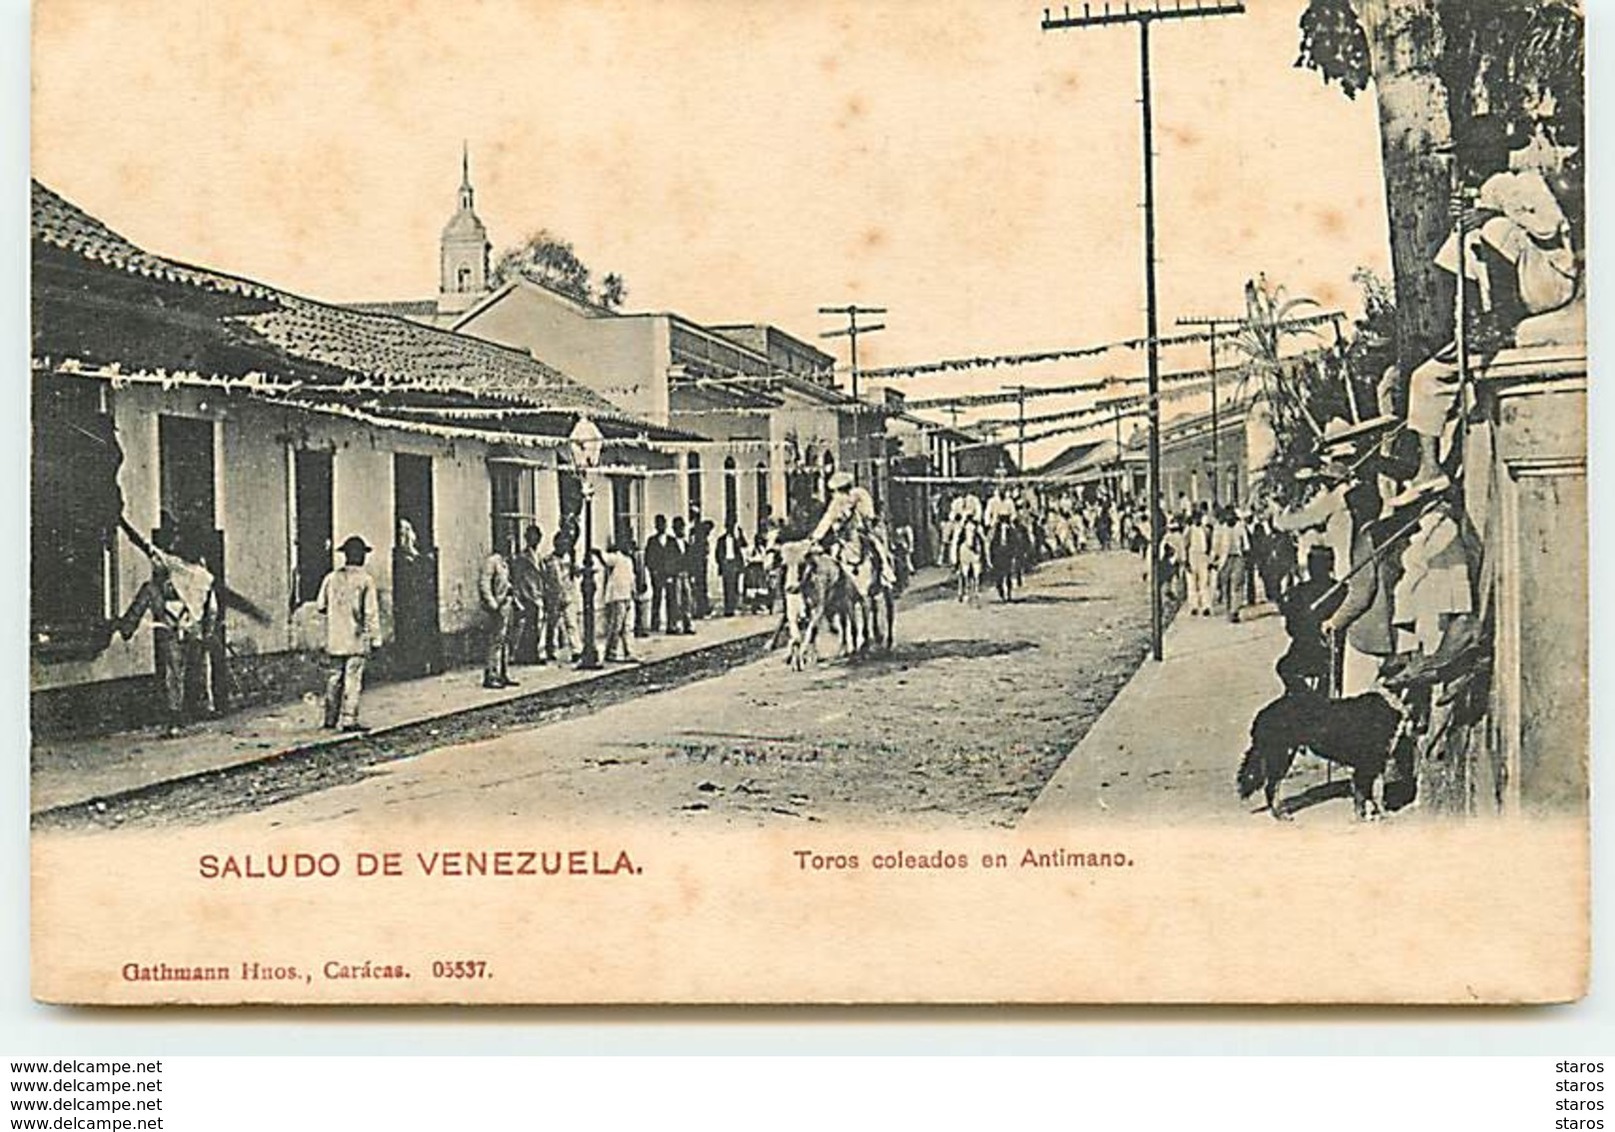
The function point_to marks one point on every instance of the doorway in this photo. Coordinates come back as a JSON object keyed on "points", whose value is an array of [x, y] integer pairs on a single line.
{"points": [[312, 506], [185, 469], [188, 528], [417, 635]]}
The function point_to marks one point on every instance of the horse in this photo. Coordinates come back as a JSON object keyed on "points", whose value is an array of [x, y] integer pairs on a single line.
{"points": [[1004, 557], [814, 587], [1027, 540], [970, 553], [870, 602]]}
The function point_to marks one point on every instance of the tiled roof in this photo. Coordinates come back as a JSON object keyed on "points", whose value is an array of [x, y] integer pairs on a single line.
{"points": [[374, 348], [407, 355], [405, 308], [57, 222]]}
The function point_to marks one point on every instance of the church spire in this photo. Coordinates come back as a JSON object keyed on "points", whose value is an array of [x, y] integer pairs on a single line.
{"points": [[463, 250]]}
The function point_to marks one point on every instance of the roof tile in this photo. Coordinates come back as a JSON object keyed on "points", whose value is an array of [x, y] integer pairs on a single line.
{"points": [[374, 348]]}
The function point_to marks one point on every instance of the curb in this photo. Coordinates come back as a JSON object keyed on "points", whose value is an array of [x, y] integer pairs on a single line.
{"points": [[321, 763]]}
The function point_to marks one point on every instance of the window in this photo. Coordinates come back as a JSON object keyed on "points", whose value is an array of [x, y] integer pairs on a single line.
{"points": [[76, 506], [570, 489], [627, 510], [762, 492], [311, 504], [515, 501], [692, 475], [463, 280], [731, 492]]}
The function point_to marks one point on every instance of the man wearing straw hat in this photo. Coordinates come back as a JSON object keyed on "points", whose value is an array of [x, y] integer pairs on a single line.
{"points": [[352, 629], [850, 516]]}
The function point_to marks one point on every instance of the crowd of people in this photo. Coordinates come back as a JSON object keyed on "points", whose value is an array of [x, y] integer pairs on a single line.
{"points": [[1057, 520], [532, 600]]}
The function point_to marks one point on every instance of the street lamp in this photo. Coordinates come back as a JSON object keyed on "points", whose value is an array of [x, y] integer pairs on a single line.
{"points": [[586, 443]]}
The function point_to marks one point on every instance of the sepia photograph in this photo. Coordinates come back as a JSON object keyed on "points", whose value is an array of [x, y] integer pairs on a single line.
{"points": [[543, 501]]}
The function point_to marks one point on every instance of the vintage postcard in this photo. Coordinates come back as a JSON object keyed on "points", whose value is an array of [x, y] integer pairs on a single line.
{"points": [[543, 501]]}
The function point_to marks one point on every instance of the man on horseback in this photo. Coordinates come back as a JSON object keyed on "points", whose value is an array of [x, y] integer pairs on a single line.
{"points": [[964, 509], [1000, 508], [850, 518]]}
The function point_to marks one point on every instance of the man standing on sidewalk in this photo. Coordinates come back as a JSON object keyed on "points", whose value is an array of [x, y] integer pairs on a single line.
{"points": [[180, 597], [555, 585], [1198, 554], [352, 629], [678, 580], [657, 566], [497, 598], [617, 592], [1236, 553], [527, 630], [699, 553], [730, 555]]}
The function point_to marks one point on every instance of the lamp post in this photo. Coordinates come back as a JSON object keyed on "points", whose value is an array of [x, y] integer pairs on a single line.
{"points": [[586, 443]]}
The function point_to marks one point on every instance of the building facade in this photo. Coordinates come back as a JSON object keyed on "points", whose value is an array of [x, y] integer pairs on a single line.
{"points": [[255, 430]]}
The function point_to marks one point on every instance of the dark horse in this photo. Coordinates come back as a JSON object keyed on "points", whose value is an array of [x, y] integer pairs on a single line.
{"points": [[1005, 557]]}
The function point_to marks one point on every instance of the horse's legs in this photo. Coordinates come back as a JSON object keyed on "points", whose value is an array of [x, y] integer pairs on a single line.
{"points": [[810, 648]]}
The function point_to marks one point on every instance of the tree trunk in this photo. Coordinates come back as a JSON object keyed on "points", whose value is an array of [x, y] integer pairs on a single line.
{"points": [[1405, 43]]}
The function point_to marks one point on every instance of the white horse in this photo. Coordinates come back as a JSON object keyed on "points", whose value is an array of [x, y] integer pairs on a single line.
{"points": [[970, 559]]}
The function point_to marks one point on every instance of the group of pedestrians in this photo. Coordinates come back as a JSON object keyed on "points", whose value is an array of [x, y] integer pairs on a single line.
{"points": [[532, 602], [680, 559], [1209, 559], [529, 594]]}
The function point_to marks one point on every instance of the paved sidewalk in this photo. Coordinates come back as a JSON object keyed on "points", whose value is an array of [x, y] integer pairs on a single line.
{"points": [[77, 770], [1167, 749], [73, 770]]}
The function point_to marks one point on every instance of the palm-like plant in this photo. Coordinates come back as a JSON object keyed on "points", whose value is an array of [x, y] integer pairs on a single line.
{"points": [[1260, 342], [1294, 396]]}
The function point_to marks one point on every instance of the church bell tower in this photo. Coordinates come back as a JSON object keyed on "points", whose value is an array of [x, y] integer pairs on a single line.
{"points": [[463, 255]]}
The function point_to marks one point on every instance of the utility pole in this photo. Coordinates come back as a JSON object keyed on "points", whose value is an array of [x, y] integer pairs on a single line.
{"points": [[1120, 471], [1144, 17], [1020, 423], [1212, 325], [851, 331]]}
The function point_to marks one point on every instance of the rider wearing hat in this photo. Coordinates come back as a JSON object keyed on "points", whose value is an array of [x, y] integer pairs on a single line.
{"points": [[850, 516]]}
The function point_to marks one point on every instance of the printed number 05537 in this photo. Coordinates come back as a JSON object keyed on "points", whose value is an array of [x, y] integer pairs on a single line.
{"points": [[459, 969]]}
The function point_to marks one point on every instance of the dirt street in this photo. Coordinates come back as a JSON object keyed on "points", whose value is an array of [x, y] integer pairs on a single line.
{"points": [[960, 726]]}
